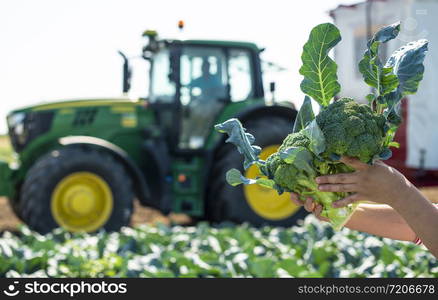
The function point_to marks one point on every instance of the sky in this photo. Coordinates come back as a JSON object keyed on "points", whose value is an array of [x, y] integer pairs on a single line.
{"points": [[61, 49]]}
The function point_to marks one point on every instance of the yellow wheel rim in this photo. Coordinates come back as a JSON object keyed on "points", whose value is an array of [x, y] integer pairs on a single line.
{"points": [[266, 202], [82, 201]]}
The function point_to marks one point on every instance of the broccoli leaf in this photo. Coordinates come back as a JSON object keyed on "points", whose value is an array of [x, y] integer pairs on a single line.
{"points": [[316, 136], [319, 70], [242, 140], [304, 116], [374, 73], [234, 178], [370, 98], [300, 157], [407, 65], [385, 154]]}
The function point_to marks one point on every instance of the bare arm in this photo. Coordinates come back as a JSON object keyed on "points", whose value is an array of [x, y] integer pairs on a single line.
{"points": [[381, 220], [421, 215], [383, 184], [377, 219]]}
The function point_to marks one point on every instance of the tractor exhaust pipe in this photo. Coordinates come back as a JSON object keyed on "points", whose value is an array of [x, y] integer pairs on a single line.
{"points": [[126, 73]]}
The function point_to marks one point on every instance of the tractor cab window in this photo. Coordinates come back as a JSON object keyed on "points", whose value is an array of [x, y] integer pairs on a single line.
{"points": [[239, 70], [162, 88], [203, 75], [204, 87]]}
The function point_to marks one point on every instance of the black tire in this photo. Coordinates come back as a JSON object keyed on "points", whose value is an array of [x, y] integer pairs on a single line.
{"points": [[228, 203], [49, 170]]}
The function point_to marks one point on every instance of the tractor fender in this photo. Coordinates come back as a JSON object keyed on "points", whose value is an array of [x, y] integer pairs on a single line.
{"points": [[142, 189]]}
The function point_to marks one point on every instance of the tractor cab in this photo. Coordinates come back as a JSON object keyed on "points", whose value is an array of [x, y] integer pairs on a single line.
{"points": [[192, 81]]}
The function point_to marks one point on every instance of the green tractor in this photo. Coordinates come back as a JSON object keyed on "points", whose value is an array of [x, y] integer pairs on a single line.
{"points": [[80, 164]]}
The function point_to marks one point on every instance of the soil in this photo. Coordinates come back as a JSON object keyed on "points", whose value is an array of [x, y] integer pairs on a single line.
{"points": [[142, 215]]}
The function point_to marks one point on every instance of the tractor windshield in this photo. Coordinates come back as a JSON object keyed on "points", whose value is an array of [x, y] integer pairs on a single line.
{"points": [[204, 88], [210, 76], [162, 87], [203, 75]]}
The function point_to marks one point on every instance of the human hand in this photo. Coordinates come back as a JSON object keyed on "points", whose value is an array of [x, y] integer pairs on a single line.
{"points": [[378, 182], [310, 205]]}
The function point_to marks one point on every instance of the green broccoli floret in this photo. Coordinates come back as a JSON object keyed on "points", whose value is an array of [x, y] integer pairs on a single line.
{"points": [[292, 140], [351, 129], [295, 140], [288, 176]]}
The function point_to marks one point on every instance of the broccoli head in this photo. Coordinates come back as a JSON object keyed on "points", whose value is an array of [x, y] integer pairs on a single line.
{"points": [[351, 129], [292, 140], [286, 175]]}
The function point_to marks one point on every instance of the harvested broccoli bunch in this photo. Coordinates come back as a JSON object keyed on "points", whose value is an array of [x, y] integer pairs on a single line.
{"points": [[351, 129], [342, 128]]}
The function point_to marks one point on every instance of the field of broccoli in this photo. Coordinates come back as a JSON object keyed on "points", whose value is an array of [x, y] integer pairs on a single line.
{"points": [[310, 250]]}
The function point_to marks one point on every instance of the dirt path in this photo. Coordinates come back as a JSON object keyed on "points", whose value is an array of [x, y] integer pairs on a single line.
{"points": [[142, 215]]}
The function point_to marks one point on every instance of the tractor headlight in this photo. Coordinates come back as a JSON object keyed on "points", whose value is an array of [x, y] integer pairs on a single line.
{"points": [[16, 119], [16, 124], [24, 127]]}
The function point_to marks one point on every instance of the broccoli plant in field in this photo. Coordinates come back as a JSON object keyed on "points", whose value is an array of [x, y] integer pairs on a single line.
{"points": [[343, 127]]}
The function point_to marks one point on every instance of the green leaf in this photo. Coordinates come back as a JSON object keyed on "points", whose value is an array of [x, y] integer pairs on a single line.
{"points": [[300, 157], [407, 65], [319, 70], [304, 116], [262, 267], [374, 73], [385, 154], [316, 137], [242, 140], [370, 98], [234, 178], [292, 266]]}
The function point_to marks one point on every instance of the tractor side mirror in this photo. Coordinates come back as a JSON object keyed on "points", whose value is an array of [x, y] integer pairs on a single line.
{"points": [[126, 73], [272, 88]]}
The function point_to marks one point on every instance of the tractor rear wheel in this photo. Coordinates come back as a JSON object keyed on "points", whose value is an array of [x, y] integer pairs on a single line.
{"points": [[79, 189], [251, 203]]}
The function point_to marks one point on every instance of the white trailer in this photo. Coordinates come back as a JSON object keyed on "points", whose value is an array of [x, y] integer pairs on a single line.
{"points": [[417, 157]]}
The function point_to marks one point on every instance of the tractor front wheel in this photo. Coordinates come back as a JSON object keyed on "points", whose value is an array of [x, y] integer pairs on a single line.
{"points": [[79, 189], [251, 203]]}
